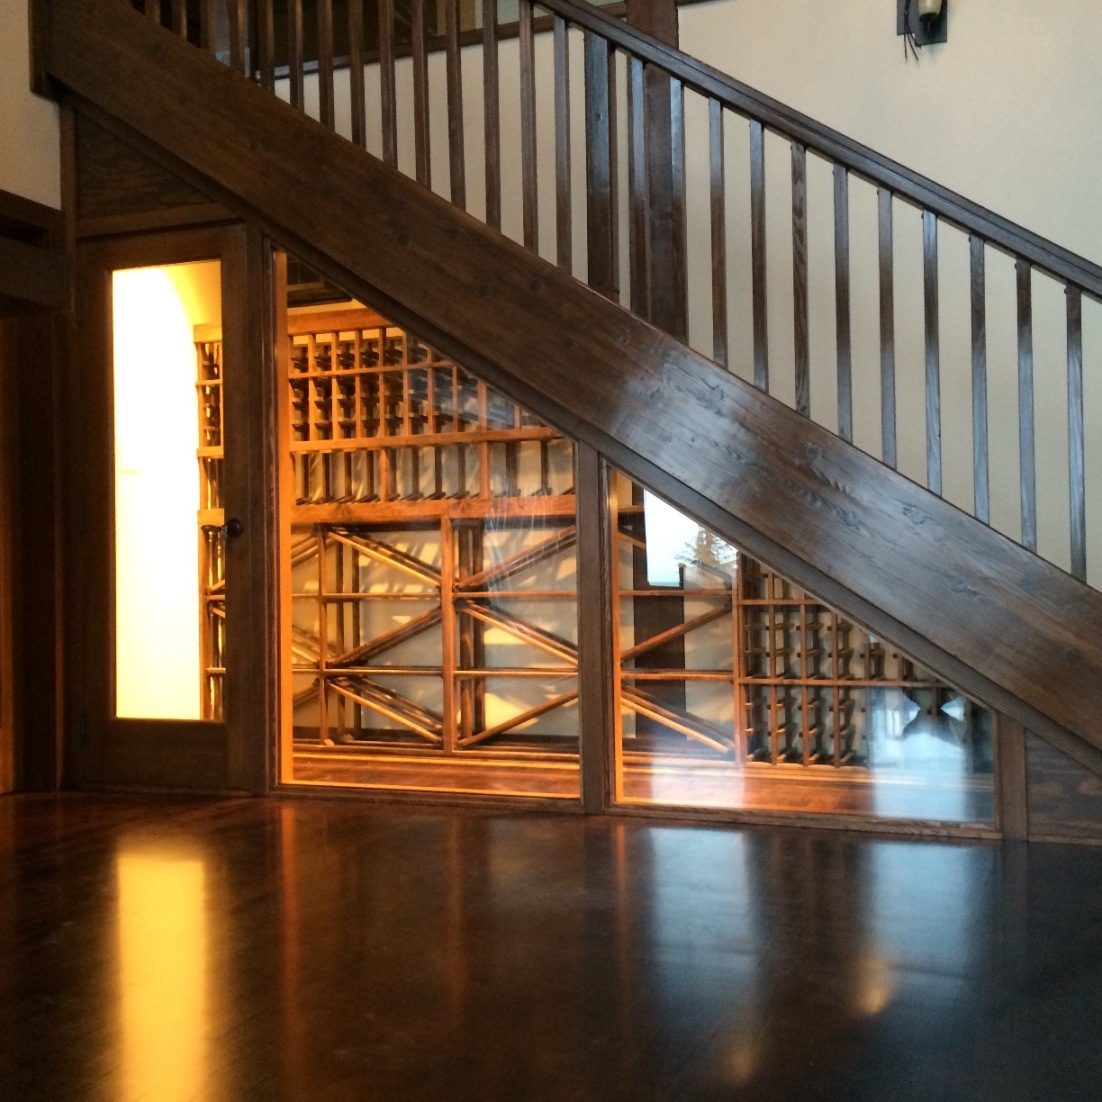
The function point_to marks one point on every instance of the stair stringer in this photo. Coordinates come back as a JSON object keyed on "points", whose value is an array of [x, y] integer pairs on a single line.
{"points": [[983, 613]]}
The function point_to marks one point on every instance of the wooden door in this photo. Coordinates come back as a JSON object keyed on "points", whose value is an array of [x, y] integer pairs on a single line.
{"points": [[171, 594]]}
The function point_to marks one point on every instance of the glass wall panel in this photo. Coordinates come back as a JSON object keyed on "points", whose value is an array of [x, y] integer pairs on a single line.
{"points": [[737, 690], [432, 555], [169, 579]]}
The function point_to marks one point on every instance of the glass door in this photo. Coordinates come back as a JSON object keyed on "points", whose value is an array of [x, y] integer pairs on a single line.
{"points": [[167, 463]]}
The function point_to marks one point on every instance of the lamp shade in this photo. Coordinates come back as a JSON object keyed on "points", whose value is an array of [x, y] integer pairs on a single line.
{"points": [[929, 10]]}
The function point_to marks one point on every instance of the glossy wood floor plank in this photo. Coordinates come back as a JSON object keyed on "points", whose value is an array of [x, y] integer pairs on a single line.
{"points": [[169, 949]]}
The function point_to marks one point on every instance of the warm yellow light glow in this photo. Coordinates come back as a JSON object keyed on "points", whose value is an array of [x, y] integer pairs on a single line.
{"points": [[157, 614], [875, 985], [162, 974]]}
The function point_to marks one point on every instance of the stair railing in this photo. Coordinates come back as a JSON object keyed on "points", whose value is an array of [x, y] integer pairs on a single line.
{"points": [[793, 247]]}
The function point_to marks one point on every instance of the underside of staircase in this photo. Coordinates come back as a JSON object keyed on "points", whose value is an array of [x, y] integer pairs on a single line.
{"points": [[982, 612]]}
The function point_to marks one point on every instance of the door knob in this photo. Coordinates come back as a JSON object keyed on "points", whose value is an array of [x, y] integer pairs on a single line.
{"points": [[233, 527]]}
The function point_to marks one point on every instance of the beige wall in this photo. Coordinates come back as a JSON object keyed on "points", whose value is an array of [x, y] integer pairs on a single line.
{"points": [[1005, 112], [30, 159]]}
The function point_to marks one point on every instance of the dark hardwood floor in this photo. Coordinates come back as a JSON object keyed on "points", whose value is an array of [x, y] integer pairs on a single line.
{"points": [[161, 949]]}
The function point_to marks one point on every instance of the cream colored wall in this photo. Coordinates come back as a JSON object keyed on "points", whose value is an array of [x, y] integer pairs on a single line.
{"points": [[30, 164]]}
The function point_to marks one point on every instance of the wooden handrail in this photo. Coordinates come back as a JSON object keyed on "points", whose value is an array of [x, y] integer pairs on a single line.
{"points": [[976, 608], [860, 159]]}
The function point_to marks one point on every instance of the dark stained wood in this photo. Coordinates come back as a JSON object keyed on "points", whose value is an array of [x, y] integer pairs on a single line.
{"points": [[456, 162], [639, 265], [887, 330], [356, 72], [933, 352], [599, 169], [842, 315], [718, 185], [759, 275], [118, 180], [237, 19], [1011, 781], [326, 94], [1076, 460], [987, 956], [1065, 799], [33, 277], [491, 99], [800, 334], [295, 53], [422, 151], [255, 457], [980, 453], [979, 611], [528, 182], [208, 25], [388, 101], [265, 44], [1027, 454], [564, 236], [595, 648]]}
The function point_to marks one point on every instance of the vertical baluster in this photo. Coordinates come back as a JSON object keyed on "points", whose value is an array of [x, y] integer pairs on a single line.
{"points": [[528, 127], [799, 279], [326, 96], [238, 40], [757, 256], [1076, 463], [1026, 445], [599, 169], [491, 97], [153, 10], [563, 228], [356, 71], [887, 329], [388, 98], [676, 294], [933, 352], [294, 53], [841, 302], [179, 18], [208, 26], [638, 239], [980, 468], [265, 44], [456, 161], [420, 93], [719, 232]]}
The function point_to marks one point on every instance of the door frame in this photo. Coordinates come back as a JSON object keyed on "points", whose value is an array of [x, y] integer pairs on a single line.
{"points": [[102, 750]]}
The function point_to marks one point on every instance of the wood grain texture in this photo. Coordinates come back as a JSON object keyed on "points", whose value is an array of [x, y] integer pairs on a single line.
{"points": [[1065, 799], [599, 167], [421, 139], [1011, 780], [326, 91], [33, 278], [978, 610], [638, 236], [529, 195]]}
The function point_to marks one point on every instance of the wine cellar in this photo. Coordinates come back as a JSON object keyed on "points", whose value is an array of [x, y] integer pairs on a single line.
{"points": [[432, 543]]}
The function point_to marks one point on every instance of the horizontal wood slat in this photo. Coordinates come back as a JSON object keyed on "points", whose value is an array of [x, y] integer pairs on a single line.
{"points": [[980, 611]]}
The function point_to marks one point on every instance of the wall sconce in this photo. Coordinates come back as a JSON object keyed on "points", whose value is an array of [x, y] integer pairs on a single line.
{"points": [[924, 22]]}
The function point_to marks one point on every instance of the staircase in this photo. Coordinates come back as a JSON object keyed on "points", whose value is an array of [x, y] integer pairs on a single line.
{"points": [[981, 610]]}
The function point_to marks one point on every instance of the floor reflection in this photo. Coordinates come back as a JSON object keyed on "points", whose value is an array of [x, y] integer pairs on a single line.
{"points": [[162, 940]]}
